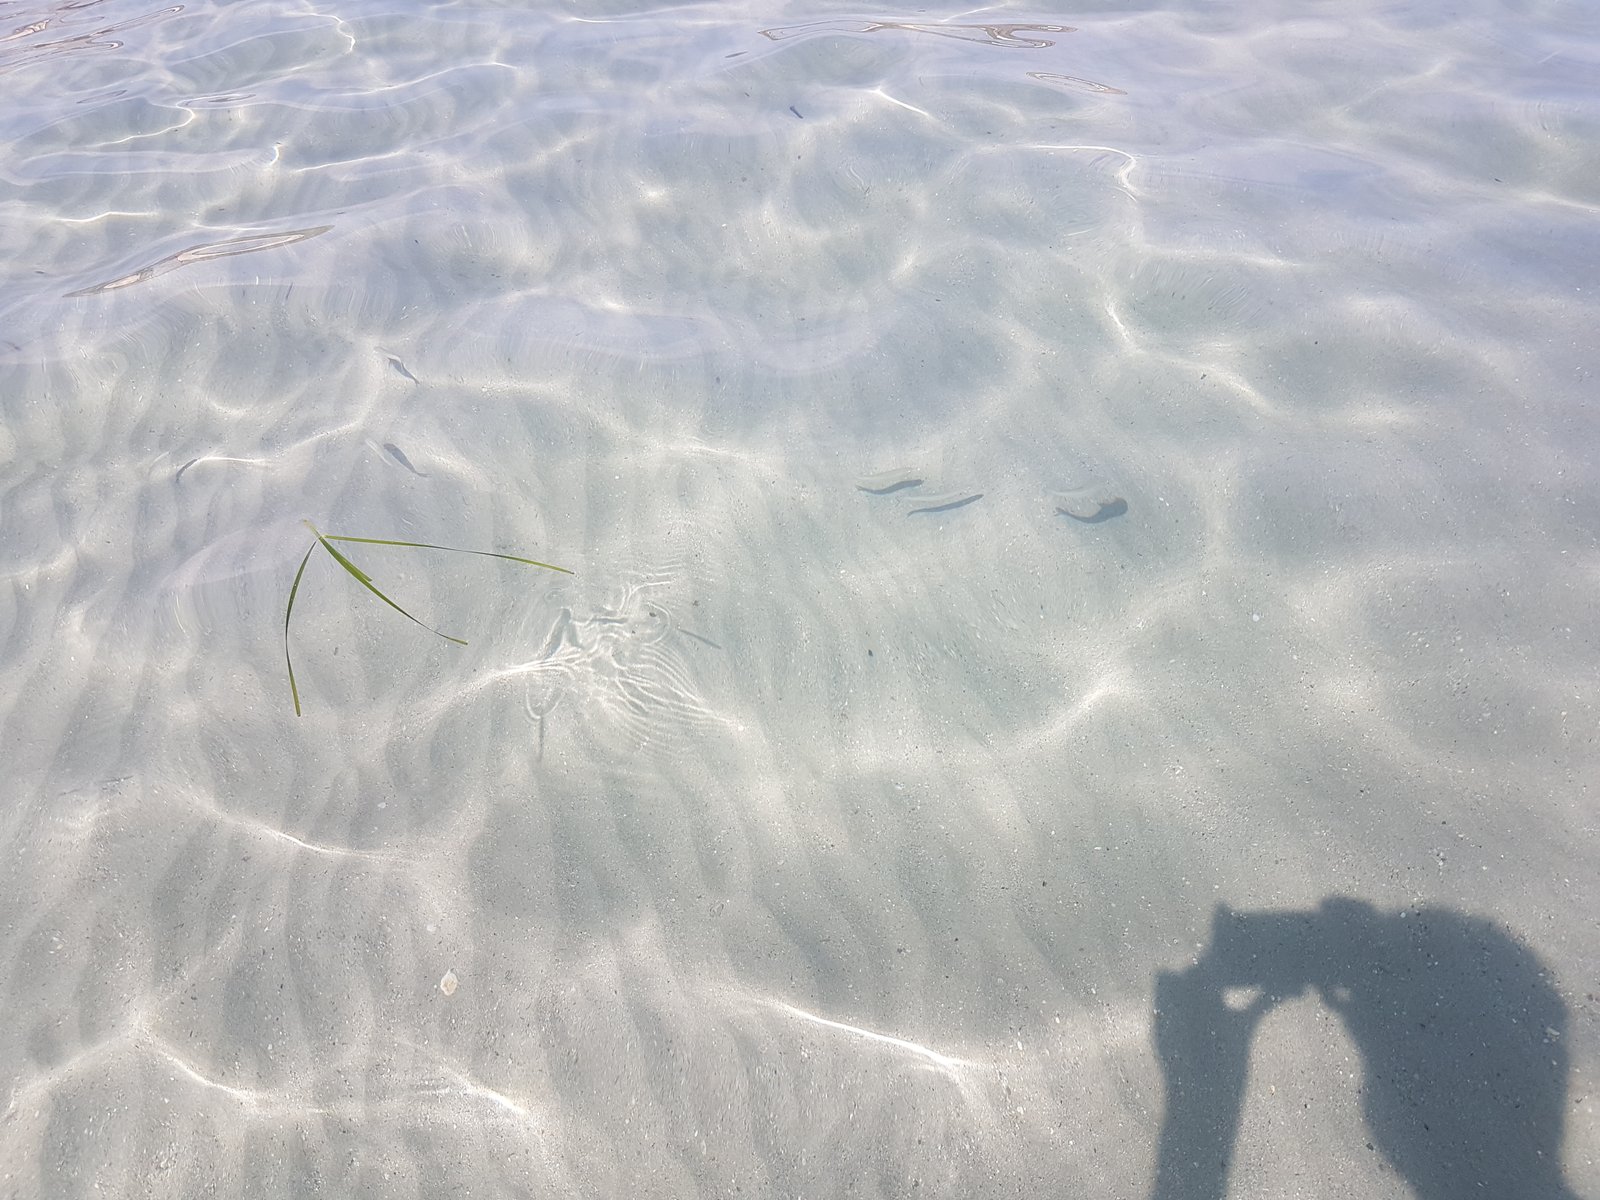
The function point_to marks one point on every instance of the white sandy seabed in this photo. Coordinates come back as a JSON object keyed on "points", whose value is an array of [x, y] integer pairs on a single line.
{"points": [[817, 836]]}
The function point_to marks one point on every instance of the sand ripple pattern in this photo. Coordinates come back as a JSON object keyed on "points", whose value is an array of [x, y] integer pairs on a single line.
{"points": [[1027, 487]]}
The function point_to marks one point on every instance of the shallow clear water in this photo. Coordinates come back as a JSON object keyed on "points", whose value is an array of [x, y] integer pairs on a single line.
{"points": [[1080, 671]]}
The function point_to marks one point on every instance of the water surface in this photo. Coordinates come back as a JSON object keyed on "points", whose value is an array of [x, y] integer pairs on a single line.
{"points": [[1084, 544]]}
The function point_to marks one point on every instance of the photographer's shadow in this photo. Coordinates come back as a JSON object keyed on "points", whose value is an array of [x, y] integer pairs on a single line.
{"points": [[1460, 1032]]}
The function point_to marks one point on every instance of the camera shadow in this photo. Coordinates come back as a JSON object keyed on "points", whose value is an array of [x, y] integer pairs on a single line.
{"points": [[1460, 1031]]}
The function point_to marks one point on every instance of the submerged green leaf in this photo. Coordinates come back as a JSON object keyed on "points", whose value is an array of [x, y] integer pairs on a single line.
{"points": [[334, 537], [287, 613], [366, 581], [326, 542]]}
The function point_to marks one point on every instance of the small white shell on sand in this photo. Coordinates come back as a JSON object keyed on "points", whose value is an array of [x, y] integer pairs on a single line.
{"points": [[447, 985]]}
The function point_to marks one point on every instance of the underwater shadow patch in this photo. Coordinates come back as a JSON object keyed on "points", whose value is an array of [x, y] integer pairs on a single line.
{"points": [[1460, 1032]]}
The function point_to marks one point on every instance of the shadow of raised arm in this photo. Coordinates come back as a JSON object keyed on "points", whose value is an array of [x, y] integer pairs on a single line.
{"points": [[1459, 1030]]}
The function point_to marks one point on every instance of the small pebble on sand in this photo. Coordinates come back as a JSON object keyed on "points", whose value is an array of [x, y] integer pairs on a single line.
{"points": [[447, 985]]}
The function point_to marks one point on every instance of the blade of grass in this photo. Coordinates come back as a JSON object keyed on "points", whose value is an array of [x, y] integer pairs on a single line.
{"points": [[366, 581], [335, 537], [287, 613]]}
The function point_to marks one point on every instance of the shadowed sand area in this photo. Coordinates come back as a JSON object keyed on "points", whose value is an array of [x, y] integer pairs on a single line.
{"points": [[1084, 561]]}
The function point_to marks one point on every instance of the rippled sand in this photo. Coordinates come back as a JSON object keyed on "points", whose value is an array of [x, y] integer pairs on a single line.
{"points": [[827, 831]]}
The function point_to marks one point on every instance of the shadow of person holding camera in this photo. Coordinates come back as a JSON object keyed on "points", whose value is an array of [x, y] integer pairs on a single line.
{"points": [[1459, 1028]]}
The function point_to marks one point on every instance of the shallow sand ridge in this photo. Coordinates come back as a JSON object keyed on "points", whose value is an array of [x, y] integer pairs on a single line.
{"points": [[1083, 560]]}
